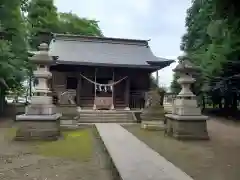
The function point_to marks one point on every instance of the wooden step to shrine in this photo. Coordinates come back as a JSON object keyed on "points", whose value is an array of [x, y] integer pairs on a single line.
{"points": [[106, 116]]}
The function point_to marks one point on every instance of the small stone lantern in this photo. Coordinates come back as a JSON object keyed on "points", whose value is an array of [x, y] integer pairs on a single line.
{"points": [[186, 120], [41, 120], [152, 116]]}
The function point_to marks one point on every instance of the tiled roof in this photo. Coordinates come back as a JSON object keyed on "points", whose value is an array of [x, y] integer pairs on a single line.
{"points": [[100, 50]]}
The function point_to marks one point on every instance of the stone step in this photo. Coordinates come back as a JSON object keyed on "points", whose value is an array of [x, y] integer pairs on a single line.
{"points": [[109, 117], [106, 121], [124, 117], [106, 116], [103, 112]]}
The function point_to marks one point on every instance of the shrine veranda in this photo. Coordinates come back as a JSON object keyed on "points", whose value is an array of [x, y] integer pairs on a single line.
{"points": [[102, 73]]}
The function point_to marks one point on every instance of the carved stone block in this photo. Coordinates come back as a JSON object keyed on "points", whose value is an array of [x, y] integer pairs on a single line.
{"points": [[195, 129], [37, 130]]}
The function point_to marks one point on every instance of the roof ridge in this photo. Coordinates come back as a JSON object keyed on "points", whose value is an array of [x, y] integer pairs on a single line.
{"points": [[73, 37]]}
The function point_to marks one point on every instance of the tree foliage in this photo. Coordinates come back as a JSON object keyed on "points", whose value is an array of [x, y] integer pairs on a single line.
{"points": [[44, 17], [72, 24], [212, 42], [21, 22], [13, 56]]}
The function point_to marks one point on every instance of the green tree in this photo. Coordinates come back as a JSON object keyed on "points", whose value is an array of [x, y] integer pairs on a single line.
{"points": [[13, 55], [72, 24], [42, 17], [212, 42], [175, 87], [13, 42]]}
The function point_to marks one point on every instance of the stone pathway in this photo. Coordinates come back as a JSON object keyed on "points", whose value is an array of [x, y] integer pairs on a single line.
{"points": [[133, 159]]}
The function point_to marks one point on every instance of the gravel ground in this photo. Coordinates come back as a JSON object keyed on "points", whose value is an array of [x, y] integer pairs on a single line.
{"points": [[217, 159], [19, 161]]}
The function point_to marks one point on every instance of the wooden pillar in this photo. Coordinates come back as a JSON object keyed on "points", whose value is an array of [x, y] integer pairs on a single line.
{"points": [[95, 92], [127, 92], [157, 78], [113, 95], [79, 87]]}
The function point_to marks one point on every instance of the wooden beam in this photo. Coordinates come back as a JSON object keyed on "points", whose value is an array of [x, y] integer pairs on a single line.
{"points": [[113, 95], [78, 93], [127, 91]]}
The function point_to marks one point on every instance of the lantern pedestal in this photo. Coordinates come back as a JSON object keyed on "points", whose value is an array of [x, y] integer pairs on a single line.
{"points": [[187, 127], [186, 120], [41, 120]]}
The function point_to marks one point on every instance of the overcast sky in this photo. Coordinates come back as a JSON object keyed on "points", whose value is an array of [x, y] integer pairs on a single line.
{"points": [[162, 21]]}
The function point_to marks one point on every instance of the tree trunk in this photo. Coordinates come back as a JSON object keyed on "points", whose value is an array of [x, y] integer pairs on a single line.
{"points": [[234, 102], [2, 101], [30, 86], [226, 102], [161, 98], [203, 102]]}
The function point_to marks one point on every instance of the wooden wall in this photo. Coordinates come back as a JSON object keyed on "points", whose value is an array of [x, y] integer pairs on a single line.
{"points": [[139, 80]]}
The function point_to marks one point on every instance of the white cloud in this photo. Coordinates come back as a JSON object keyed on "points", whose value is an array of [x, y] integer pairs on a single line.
{"points": [[162, 21]]}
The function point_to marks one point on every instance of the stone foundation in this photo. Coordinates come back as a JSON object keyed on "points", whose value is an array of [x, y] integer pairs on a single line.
{"points": [[153, 125], [187, 129], [153, 118], [43, 109], [37, 130]]}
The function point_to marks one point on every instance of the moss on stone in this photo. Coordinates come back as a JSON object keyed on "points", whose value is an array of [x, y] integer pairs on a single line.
{"points": [[153, 113], [76, 145]]}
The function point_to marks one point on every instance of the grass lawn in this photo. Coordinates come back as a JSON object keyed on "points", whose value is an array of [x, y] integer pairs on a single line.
{"points": [[217, 159], [78, 154], [75, 145]]}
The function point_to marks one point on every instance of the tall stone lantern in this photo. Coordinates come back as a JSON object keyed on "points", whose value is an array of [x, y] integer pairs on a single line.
{"points": [[41, 120], [186, 120]]}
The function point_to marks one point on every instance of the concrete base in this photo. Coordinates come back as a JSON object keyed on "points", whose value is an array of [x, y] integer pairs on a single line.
{"points": [[127, 109], [69, 124], [168, 107], [36, 109], [188, 128], [153, 125], [33, 127]]}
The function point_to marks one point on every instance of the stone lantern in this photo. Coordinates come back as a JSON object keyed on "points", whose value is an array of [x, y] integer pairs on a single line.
{"points": [[186, 120], [152, 116], [41, 120]]}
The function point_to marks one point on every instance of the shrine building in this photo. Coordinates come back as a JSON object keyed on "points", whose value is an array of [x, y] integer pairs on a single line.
{"points": [[102, 73]]}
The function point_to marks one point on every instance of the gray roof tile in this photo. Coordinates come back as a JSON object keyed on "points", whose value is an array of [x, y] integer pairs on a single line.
{"points": [[98, 50]]}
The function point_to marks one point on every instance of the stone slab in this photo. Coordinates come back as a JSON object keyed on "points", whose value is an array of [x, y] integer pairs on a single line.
{"points": [[37, 130], [133, 159], [42, 100], [153, 125], [186, 118], [187, 130], [36, 109], [68, 124], [25, 117]]}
